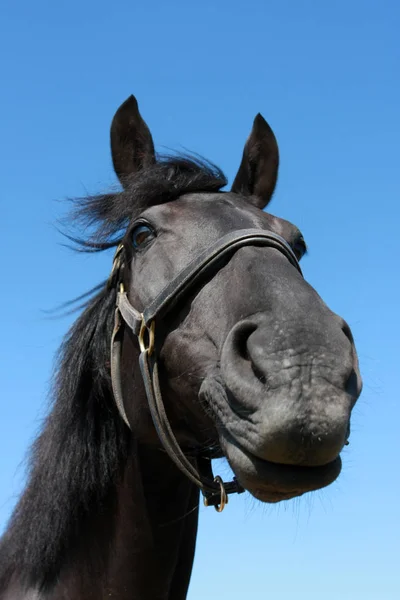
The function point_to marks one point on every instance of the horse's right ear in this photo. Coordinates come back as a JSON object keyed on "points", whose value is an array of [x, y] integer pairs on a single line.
{"points": [[132, 146], [258, 171]]}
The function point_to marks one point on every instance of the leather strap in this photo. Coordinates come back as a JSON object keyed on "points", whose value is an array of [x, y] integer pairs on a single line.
{"points": [[208, 260], [115, 365], [131, 316], [209, 488], [196, 269]]}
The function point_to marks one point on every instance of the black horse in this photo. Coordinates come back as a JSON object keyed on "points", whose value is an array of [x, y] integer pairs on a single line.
{"points": [[239, 357]]}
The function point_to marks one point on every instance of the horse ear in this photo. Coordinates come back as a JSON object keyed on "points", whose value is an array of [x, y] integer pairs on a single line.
{"points": [[258, 170], [132, 146]]}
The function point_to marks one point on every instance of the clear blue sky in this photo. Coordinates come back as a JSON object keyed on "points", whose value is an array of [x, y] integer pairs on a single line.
{"points": [[326, 76]]}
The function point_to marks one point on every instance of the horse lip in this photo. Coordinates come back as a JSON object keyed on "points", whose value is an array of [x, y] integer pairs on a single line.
{"points": [[272, 482], [266, 480]]}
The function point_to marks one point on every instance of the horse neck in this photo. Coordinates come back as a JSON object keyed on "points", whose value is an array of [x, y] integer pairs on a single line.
{"points": [[140, 544], [153, 541], [156, 530]]}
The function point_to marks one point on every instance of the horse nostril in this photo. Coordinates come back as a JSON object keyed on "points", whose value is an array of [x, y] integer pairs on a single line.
{"points": [[241, 346], [351, 386], [242, 336], [260, 376], [347, 331]]}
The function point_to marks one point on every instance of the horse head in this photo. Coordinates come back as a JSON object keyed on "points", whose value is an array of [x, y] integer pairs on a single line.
{"points": [[252, 363]]}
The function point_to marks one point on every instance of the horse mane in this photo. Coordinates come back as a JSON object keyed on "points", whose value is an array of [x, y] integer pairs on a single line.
{"points": [[166, 180], [77, 460]]}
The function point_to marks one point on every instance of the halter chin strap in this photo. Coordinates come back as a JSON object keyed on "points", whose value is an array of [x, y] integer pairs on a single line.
{"points": [[214, 490]]}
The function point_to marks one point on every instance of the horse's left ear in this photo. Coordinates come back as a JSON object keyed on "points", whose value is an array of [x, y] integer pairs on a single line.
{"points": [[258, 170], [132, 146]]}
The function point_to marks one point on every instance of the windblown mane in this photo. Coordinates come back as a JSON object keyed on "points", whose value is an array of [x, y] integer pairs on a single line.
{"points": [[81, 452], [165, 181]]}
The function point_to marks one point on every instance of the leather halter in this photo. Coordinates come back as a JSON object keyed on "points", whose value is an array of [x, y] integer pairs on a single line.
{"points": [[214, 490]]}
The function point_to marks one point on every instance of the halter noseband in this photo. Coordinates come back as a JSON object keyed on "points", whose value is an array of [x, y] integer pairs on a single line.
{"points": [[214, 490]]}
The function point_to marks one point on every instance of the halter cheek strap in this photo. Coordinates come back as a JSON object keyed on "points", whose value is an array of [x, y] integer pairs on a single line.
{"points": [[214, 490]]}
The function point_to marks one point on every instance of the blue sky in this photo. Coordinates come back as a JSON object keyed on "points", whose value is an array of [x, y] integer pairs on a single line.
{"points": [[325, 75]]}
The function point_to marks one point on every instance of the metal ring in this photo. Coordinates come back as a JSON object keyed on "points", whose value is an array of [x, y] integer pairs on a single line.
{"points": [[224, 496], [151, 332]]}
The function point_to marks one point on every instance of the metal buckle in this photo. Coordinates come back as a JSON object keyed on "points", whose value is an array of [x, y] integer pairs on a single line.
{"points": [[151, 337]]}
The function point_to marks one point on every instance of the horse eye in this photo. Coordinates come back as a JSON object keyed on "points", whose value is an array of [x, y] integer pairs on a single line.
{"points": [[299, 247], [141, 235]]}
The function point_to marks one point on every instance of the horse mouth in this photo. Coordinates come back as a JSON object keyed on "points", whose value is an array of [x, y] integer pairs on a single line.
{"points": [[273, 482]]}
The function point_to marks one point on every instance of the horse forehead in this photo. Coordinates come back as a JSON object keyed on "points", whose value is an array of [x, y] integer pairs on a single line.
{"points": [[230, 209], [223, 206]]}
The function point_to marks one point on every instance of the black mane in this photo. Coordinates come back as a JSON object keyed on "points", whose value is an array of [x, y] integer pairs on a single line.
{"points": [[169, 178], [82, 450]]}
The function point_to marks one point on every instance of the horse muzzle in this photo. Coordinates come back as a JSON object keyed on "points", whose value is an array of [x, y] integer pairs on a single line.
{"points": [[290, 388]]}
